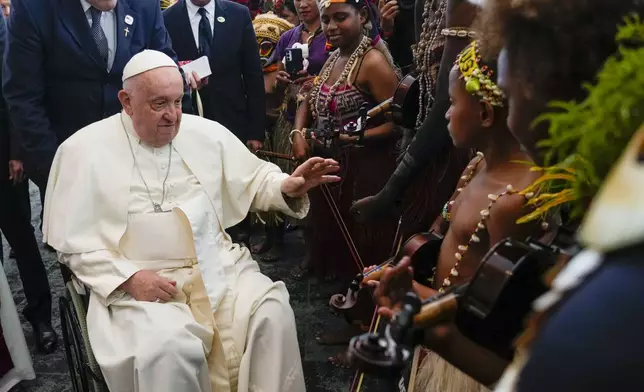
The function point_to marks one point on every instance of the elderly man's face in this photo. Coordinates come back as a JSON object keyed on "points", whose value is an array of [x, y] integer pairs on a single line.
{"points": [[153, 100], [103, 5]]}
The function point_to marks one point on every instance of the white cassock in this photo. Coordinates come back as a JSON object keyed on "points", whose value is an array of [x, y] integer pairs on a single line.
{"points": [[229, 328]]}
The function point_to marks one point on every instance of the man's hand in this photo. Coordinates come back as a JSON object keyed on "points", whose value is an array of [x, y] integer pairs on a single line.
{"points": [[148, 286], [313, 172], [388, 12], [254, 145], [16, 171], [394, 284], [195, 82]]}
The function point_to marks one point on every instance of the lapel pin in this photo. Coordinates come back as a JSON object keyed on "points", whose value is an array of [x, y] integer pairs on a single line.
{"points": [[221, 19], [126, 31], [129, 20]]}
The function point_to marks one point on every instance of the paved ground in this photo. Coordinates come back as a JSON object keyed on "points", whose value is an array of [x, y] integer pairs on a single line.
{"points": [[307, 298]]}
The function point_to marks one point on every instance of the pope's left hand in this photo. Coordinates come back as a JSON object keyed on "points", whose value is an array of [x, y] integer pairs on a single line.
{"points": [[313, 172]]}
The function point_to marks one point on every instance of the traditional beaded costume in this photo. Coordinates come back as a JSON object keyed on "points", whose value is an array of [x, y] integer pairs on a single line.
{"points": [[364, 170]]}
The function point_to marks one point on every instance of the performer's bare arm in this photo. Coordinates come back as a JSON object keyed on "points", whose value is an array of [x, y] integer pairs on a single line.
{"points": [[302, 119], [474, 360], [378, 78]]}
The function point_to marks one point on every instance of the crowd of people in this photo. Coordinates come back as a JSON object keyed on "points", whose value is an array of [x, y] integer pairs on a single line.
{"points": [[360, 123]]}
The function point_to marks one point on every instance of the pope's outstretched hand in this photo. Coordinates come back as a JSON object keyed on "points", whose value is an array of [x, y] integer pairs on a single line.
{"points": [[313, 172]]}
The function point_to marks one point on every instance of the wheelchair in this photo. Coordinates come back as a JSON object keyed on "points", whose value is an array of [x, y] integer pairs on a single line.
{"points": [[86, 375]]}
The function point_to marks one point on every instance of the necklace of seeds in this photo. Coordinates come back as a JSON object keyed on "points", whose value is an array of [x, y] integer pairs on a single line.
{"points": [[481, 225], [425, 56], [323, 109]]}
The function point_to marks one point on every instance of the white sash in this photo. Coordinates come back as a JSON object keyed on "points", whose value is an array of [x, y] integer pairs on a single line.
{"points": [[157, 236], [200, 217], [175, 239]]}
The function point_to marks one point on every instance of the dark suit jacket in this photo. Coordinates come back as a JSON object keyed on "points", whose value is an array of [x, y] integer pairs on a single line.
{"points": [[54, 81], [234, 95], [8, 145]]}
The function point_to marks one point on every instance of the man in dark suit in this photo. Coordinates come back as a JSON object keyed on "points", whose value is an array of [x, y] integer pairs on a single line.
{"points": [[63, 68], [16, 226], [222, 30], [234, 94]]}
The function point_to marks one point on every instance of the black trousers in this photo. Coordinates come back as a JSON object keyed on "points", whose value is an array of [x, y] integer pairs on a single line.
{"points": [[16, 226], [25, 205]]}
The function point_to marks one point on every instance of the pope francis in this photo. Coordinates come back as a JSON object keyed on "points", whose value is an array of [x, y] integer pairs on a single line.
{"points": [[136, 207]]}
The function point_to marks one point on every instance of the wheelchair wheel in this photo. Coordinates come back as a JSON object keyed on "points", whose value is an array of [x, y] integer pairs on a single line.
{"points": [[73, 346], [85, 372]]}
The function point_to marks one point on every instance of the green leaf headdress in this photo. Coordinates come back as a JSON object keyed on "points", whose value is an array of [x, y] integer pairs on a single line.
{"points": [[587, 138]]}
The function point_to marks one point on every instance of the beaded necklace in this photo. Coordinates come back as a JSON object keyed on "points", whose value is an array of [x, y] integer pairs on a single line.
{"points": [[426, 59], [323, 109], [312, 36], [480, 226]]}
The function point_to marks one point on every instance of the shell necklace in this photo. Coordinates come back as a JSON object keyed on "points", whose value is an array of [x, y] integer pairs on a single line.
{"points": [[425, 57], [481, 225], [321, 108]]}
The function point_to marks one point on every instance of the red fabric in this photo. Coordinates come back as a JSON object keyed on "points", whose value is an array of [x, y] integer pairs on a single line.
{"points": [[254, 6]]}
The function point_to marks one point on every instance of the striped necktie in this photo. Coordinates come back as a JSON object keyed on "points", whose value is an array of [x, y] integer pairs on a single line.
{"points": [[205, 33], [98, 34]]}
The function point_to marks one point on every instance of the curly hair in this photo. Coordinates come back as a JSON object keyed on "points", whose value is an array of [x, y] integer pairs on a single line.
{"points": [[553, 46]]}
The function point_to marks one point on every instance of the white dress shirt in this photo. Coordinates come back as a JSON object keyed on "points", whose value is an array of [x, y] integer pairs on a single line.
{"points": [[108, 23], [195, 18]]}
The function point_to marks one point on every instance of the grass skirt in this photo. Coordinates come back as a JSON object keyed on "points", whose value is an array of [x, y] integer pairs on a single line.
{"points": [[437, 375]]}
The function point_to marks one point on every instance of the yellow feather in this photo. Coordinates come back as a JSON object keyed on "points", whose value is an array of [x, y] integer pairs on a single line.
{"points": [[562, 197], [550, 177]]}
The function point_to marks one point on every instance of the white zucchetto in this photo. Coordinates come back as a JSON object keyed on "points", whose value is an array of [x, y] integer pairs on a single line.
{"points": [[145, 61]]}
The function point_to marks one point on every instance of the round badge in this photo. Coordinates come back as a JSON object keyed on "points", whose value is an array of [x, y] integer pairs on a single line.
{"points": [[221, 19], [129, 19]]}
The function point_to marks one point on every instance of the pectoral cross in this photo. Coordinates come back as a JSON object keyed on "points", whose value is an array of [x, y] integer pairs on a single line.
{"points": [[127, 30]]}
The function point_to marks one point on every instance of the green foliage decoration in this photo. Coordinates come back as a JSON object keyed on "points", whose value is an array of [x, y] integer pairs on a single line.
{"points": [[586, 138]]}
